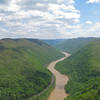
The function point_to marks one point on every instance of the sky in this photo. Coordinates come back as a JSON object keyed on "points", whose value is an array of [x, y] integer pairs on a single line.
{"points": [[49, 19]]}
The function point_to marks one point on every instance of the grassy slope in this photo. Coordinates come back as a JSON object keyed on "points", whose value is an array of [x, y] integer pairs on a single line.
{"points": [[73, 45], [21, 68], [83, 69]]}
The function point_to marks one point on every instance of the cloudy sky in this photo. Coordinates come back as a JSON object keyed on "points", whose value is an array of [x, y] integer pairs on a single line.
{"points": [[49, 18]]}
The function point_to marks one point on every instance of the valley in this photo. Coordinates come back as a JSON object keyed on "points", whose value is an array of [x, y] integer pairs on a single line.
{"points": [[31, 69], [49, 49]]}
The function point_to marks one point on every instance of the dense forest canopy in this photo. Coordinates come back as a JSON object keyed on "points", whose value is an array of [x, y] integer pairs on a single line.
{"points": [[23, 71], [83, 69]]}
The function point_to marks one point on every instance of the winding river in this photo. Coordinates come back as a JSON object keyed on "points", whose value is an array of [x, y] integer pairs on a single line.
{"points": [[61, 80]]}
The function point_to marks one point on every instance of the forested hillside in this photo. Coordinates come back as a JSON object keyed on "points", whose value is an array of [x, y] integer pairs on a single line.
{"points": [[23, 71], [83, 69], [73, 45]]}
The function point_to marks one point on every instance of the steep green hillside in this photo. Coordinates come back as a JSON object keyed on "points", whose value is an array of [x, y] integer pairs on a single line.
{"points": [[22, 67], [83, 69], [73, 45]]}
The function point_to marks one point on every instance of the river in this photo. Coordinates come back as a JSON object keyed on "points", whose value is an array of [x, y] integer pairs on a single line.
{"points": [[61, 80]]}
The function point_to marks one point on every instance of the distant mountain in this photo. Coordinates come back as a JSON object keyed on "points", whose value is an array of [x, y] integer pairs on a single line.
{"points": [[23, 71], [53, 42], [83, 70], [73, 45]]}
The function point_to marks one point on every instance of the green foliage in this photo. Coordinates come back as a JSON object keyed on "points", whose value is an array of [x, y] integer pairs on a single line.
{"points": [[22, 71], [45, 94], [73, 45], [83, 69]]}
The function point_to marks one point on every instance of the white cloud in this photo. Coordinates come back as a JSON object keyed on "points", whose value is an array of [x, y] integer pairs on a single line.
{"points": [[93, 1], [13, 5], [0, 19], [68, 1], [89, 22], [64, 11], [89, 31], [38, 18], [95, 28], [40, 4], [43, 19], [62, 7]]}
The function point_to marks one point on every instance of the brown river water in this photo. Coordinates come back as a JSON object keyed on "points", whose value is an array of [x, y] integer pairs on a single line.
{"points": [[61, 80]]}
